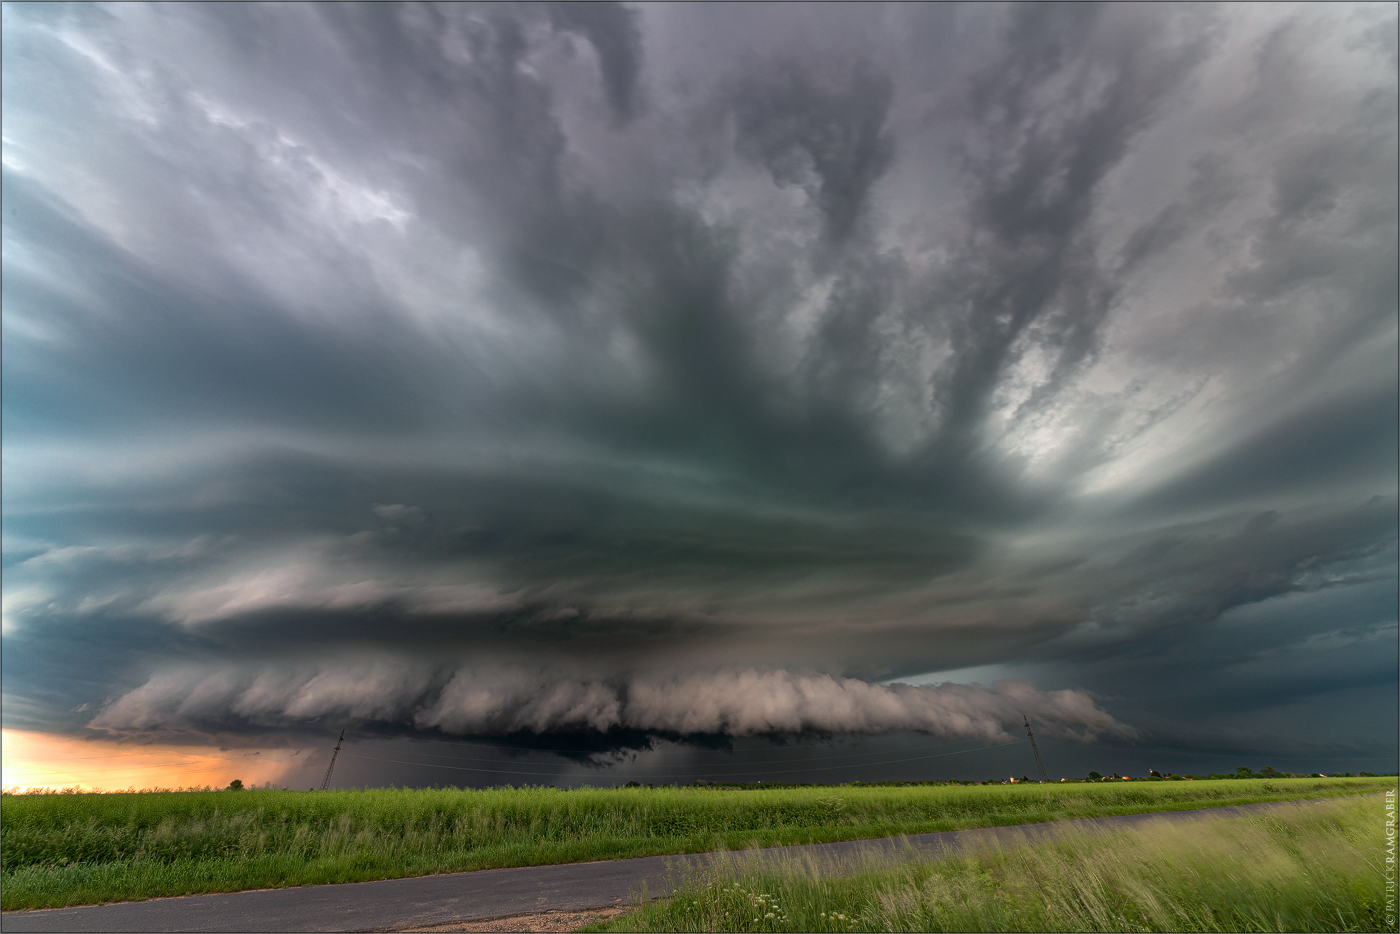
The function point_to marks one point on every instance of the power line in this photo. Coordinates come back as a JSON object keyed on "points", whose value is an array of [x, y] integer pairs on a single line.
{"points": [[217, 768], [106, 772], [435, 742], [115, 755], [123, 755], [460, 768], [576, 751], [143, 768], [826, 768]]}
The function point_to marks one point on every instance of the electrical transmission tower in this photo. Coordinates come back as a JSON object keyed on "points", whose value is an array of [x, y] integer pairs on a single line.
{"points": [[325, 782], [1039, 764]]}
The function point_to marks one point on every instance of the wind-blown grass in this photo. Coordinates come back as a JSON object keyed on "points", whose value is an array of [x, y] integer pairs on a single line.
{"points": [[58, 850], [1308, 868]]}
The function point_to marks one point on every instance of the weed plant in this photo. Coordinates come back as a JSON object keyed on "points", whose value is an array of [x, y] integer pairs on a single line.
{"points": [[76, 849], [1308, 868]]}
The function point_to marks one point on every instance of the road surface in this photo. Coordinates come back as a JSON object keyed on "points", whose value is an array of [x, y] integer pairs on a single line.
{"points": [[399, 904]]}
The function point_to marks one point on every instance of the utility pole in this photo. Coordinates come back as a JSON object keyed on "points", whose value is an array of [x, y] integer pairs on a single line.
{"points": [[325, 782], [1038, 763]]}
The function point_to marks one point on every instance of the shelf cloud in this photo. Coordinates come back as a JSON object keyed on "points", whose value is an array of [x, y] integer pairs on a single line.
{"points": [[506, 699], [477, 370]]}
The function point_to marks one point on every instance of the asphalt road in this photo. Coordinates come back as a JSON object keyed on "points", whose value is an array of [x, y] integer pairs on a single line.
{"points": [[398, 904]]}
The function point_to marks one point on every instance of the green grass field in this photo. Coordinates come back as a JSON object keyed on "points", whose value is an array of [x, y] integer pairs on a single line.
{"points": [[58, 850], [1313, 868]]}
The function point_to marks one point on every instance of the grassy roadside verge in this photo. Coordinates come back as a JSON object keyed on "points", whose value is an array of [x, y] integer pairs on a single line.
{"points": [[60, 850], [1305, 869]]}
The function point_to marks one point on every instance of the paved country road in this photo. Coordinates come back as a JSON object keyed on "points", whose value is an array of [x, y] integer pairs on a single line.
{"points": [[399, 904]]}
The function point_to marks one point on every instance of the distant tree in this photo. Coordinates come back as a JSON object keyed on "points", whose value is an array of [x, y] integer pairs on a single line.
{"points": [[1269, 771], [1094, 776], [236, 785]]}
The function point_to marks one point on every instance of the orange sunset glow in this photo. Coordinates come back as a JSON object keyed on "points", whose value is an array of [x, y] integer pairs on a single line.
{"points": [[42, 760]]}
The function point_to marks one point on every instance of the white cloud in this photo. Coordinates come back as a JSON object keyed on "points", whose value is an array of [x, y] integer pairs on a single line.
{"points": [[505, 698]]}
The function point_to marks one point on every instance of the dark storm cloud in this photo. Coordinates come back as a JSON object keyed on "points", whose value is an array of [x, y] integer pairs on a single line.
{"points": [[1038, 164], [830, 140], [1298, 451], [233, 354], [612, 30], [509, 370]]}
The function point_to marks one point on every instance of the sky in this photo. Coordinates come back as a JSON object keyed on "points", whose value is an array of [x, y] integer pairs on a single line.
{"points": [[581, 393]]}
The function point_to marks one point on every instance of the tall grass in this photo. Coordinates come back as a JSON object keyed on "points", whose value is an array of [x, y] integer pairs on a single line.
{"points": [[58, 850], [1310, 868]]}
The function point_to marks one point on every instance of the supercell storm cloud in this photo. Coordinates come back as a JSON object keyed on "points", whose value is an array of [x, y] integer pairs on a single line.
{"points": [[691, 370]]}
